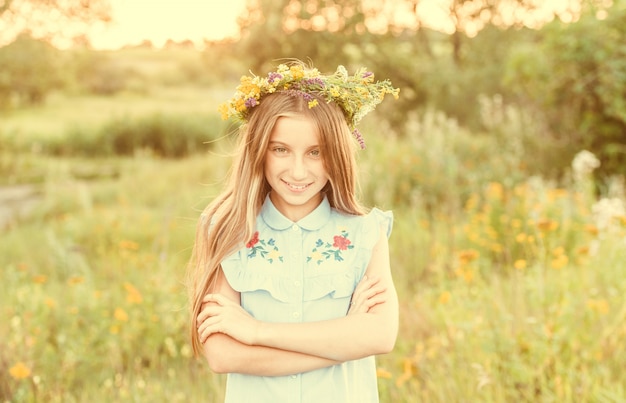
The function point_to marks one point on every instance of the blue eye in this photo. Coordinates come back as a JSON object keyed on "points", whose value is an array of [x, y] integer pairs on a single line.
{"points": [[315, 153]]}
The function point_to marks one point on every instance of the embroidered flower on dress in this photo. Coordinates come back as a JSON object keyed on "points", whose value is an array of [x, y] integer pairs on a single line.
{"points": [[265, 249], [326, 250]]}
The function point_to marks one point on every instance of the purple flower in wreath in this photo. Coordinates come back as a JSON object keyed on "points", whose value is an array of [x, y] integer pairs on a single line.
{"points": [[273, 77], [359, 137], [251, 102]]}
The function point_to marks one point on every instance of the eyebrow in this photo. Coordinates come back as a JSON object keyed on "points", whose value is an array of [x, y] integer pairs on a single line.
{"points": [[280, 143]]}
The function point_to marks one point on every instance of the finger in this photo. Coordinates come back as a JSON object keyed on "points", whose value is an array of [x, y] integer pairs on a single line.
{"points": [[372, 302], [218, 298], [208, 328], [364, 284], [370, 280], [208, 322], [379, 289], [364, 295], [207, 313]]}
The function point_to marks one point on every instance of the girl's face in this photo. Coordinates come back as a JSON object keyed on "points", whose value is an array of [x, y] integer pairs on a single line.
{"points": [[294, 167]]}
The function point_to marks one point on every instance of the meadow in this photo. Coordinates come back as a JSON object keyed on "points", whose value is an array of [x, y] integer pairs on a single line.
{"points": [[511, 285]]}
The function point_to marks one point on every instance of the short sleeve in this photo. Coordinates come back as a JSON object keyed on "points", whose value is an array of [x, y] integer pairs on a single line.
{"points": [[374, 222]]}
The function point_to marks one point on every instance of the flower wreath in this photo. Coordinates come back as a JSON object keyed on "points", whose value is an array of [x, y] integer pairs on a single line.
{"points": [[357, 94]]}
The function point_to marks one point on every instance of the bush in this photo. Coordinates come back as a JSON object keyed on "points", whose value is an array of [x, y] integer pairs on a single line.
{"points": [[574, 79], [31, 69], [162, 135]]}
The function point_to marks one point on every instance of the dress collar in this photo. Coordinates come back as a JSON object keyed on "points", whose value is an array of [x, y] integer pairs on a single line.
{"points": [[313, 221]]}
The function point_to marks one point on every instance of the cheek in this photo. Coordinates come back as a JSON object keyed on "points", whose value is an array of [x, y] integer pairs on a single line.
{"points": [[271, 166]]}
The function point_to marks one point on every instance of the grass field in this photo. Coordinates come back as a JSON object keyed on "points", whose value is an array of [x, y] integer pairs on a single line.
{"points": [[511, 287]]}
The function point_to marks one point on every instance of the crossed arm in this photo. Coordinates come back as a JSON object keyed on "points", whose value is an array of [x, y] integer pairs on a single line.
{"points": [[236, 342]]}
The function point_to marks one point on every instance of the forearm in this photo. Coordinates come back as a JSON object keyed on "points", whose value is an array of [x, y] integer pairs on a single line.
{"points": [[343, 339], [227, 355]]}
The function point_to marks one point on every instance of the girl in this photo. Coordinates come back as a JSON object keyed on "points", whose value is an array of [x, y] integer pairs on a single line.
{"points": [[290, 283]]}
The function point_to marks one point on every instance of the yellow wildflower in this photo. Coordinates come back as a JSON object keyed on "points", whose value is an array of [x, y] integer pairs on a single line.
{"points": [[466, 273], [495, 190], [297, 72], [75, 280], [128, 245], [19, 371], [520, 264], [591, 229], [224, 111], [40, 279], [133, 296], [120, 315], [240, 105], [583, 250], [468, 255], [383, 373], [560, 262], [444, 298], [407, 374], [600, 306], [547, 225]]}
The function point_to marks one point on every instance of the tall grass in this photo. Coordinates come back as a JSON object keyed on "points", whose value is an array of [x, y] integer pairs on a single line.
{"points": [[510, 288]]}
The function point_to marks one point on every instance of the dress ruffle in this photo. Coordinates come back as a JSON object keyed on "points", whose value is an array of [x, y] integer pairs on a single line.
{"points": [[243, 279], [339, 283]]}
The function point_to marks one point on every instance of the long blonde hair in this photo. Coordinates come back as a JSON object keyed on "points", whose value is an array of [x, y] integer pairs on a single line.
{"points": [[231, 216]]}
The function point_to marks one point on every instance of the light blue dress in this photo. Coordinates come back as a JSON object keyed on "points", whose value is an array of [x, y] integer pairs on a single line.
{"points": [[303, 272]]}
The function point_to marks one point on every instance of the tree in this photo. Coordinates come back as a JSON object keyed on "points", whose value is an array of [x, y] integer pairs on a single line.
{"points": [[574, 78], [50, 19], [30, 70]]}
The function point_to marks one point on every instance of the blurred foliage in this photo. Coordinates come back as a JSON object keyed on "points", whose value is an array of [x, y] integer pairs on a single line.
{"points": [[163, 135], [54, 20], [29, 70], [566, 81], [574, 78], [514, 294], [158, 134], [99, 74], [569, 78]]}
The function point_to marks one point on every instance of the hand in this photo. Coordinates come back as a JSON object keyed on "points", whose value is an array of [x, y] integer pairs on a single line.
{"points": [[367, 294], [221, 315]]}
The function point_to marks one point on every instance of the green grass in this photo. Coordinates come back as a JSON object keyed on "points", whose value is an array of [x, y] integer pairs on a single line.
{"points": [[508, 290], [62, 112]]}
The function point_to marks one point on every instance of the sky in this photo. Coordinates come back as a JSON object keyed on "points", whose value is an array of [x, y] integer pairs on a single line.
{"points": [[135, 21], [159, 20]]}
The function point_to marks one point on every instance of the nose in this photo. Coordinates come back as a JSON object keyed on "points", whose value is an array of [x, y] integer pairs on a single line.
{"points": [[298, 168]]}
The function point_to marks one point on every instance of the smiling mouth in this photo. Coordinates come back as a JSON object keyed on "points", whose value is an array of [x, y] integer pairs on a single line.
{"points": [[297, 187]]}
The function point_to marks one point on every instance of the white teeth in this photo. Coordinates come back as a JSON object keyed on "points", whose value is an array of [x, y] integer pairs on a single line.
{"points": [[297, 187]]}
